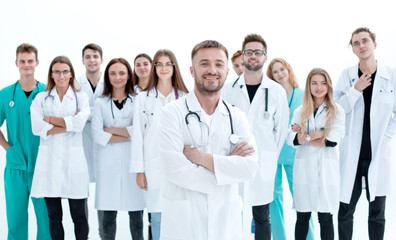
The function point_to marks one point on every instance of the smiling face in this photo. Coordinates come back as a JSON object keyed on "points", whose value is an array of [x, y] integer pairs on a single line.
{"points": [[142, 67], [318, 87], [118, 75], [280, 73], [92, 60], [61, 74], [254, 63], [363, 46], [26, 63], [164, 68], [209, 70]]}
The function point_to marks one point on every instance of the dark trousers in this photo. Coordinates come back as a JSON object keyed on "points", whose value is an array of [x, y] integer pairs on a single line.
{"points": [[376, 218], [77, 211], [110, 224], [262, 224], [325, 221]]}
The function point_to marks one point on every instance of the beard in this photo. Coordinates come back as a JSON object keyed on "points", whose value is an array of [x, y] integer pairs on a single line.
{"points": [[253, 69], [208, 90]]}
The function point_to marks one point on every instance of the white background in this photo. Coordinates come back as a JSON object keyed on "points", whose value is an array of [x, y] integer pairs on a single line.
{"points": [[308, 34]]}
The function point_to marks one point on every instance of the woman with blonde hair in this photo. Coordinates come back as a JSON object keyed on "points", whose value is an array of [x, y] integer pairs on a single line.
{"points": [[281, 72], [165, 85], [318, 127]]}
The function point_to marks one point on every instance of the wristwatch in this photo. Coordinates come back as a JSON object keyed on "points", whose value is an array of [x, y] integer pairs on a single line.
{"points": [[307, 138]]}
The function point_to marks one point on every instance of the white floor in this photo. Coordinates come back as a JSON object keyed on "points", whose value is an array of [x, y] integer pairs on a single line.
{"points": [[360, 232]]}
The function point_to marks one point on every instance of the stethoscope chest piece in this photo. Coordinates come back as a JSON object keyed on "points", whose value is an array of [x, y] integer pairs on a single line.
{"points": [[11, 104], [234, 139], [266, 115]]}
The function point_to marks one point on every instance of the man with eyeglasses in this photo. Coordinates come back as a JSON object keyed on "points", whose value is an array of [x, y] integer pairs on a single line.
{"points": [[21, 147], [265, 104], [207, 148]]}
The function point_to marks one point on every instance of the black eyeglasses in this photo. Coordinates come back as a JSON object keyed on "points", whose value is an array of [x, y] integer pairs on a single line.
{"points": [[257, 52]]}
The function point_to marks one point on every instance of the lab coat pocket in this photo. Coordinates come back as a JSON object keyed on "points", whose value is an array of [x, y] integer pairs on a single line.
{"points": [[15, 157], [42, 159], [176, 219], [268, 165], [331, 172], [384, 167], [386, 96], [300, 172], [77, 161], [153, 179]]}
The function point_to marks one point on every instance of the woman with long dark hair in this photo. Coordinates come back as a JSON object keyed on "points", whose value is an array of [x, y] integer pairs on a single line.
{"points": [[116, 189]]}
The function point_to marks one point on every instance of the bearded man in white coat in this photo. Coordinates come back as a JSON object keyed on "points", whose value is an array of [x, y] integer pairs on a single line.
{"points": [[207, 149]]}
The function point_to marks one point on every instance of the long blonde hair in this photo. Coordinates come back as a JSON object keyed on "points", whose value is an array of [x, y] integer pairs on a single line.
{"points": [[308, 102]]}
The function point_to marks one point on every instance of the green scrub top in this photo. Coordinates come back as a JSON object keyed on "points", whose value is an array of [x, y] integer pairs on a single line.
{"points": [[287, 153], [24, 145]]}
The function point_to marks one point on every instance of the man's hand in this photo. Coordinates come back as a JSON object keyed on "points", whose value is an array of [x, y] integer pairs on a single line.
{"points": [[141, 181], [363, 82], [242, 150], [199, 157]]}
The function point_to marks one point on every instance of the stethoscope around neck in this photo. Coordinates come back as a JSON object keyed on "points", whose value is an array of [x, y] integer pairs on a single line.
{"points": [[53, 98], [324, 108], [111, 104], [266, 113], [12, 102], [156, 96], [233, 138]]}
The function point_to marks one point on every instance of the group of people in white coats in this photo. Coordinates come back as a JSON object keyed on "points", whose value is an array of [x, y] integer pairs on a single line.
{"points": [[188, 157], [321, 178]]}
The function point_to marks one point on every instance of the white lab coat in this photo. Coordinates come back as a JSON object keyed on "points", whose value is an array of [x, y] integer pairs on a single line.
{"points": [[269, 133], [90, 148], [316, 172], [383, 128], [61, 169], [145, 155], [197, 203], [116, 187]]}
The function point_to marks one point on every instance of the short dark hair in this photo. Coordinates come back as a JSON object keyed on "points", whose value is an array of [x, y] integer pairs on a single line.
{"points": [[94, 47], [208, 44], [254, 38], [362, 29], [26, 48]]}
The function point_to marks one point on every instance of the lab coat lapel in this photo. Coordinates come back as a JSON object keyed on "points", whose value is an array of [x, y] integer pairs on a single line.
{"points": [[381, 81], [242, 94], [259, 97]]}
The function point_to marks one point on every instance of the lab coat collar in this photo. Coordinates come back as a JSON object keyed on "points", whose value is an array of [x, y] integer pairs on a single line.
{"points": [[381, 72], [85, 79], [194, 106], [264, 81], [69, 93], [153, 93], [321, 108]]}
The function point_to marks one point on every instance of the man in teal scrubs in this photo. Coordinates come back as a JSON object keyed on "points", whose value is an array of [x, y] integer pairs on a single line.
{"points": [[21, 147]]}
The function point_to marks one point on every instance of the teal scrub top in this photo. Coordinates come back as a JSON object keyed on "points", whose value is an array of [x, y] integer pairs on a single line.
{"points": [[287, 153], [24, 145]]}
